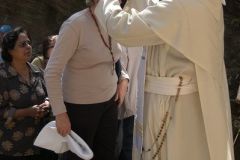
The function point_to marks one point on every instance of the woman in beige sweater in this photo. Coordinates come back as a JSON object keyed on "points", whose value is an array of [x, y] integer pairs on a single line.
{"points": [[82, 83]]}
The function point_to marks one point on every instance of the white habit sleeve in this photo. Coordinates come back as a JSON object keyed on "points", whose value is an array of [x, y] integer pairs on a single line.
{"points": [[127, 28]]}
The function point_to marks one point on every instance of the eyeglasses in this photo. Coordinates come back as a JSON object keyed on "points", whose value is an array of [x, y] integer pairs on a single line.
{"points": [[25, 43]]}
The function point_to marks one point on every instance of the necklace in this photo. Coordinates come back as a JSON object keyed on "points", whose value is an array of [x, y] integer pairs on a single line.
{"points": [[103, 40]]}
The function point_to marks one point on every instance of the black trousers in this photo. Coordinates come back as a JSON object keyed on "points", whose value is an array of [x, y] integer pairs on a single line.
{"points": [[127, 138], [97, 125]]}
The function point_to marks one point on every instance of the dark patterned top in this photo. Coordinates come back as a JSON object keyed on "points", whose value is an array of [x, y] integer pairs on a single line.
{"points": [[17, 137]]}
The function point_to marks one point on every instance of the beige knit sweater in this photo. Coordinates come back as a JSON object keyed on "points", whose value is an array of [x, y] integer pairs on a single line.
{"points": [[80, 69]]}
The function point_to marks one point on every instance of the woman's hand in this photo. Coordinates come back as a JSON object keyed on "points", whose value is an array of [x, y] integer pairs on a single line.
{"points": [[45, 106], [34, 111], [121, 91], [63, 124]]}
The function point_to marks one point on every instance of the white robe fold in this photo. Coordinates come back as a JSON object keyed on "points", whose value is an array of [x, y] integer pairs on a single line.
{"points": [[193, 30]]}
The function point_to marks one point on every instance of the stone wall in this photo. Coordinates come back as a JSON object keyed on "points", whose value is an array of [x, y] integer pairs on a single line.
{"points": [[232, 59]]}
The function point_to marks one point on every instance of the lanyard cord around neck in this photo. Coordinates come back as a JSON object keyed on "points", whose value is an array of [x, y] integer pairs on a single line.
{"points": [[105, 43]]}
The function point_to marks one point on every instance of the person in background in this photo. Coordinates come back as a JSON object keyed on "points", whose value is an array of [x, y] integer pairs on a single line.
{"points": [[128, 111], [3, 30], [47, 46], [138, 122], [24, 107], [83, 87], [186, 92]]}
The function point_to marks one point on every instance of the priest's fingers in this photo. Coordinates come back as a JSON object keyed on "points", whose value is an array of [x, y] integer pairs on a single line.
{"points": [[63, 124]]}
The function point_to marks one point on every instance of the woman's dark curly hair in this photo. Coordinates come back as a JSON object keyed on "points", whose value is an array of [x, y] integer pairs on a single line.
{"points": [[9, 42]]}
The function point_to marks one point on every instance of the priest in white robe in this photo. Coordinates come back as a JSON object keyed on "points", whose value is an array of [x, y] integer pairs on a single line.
{"points": [[186, 109]]}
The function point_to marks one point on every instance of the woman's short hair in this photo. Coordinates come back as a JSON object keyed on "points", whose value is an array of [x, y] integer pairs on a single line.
{"points": [[48, 43], [9, 42]]}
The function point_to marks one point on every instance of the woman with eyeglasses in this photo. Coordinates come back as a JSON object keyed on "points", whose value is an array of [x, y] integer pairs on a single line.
{"points": [[47, 46], [24, 108]]}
